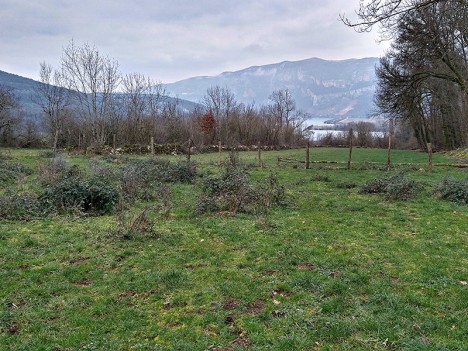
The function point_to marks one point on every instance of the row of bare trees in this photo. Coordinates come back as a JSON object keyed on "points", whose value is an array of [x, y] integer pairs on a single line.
{"points": [[423, 78], [88, 102]]}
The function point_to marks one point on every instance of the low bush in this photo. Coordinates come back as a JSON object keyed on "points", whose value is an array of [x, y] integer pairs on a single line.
{"points": [[141, 178], [182, 172], [453, 189], [19, 206], [10, 172], [273, 192], [54, 169], [233, 191], [104, 171], [395, 187], [132, 226], [73, 193]]}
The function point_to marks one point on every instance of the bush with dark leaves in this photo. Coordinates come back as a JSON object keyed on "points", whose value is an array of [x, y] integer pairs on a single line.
{"points": [[19, 206], [74, 193], [395, 187], [10, 172], [141, 179], [182, 172], [453, 189], [234, 192]]}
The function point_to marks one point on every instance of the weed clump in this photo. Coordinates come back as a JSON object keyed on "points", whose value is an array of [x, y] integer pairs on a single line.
{"points": [[234, 192], [10, 172], [142, 179], [395, 187], [53, 170], [132, 226], [20, 206], [452, 189]]}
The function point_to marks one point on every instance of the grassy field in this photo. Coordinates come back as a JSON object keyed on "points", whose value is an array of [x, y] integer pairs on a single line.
{"points": [[335, 269]]}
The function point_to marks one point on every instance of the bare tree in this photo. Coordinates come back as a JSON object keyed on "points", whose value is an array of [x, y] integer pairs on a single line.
{"points": [[385, 13], [94, 79], [53, 99], [222, 103], [8, 101], [143, 102], [282, 106]]}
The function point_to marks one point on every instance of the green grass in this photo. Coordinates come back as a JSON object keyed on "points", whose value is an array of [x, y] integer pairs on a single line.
{"points": [[334, 270]]}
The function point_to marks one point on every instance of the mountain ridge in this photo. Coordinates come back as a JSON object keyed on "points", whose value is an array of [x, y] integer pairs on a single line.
{"points": [[24, 88], [323, 88]]}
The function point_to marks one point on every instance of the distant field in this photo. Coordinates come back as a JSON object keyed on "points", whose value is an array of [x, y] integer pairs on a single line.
{"points": [[333, 269]]}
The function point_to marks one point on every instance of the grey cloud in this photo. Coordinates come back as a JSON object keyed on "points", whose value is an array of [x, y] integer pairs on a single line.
{"points": [[175, 39]]}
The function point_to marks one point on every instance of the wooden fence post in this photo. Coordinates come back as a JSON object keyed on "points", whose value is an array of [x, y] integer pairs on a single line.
{"points": [[308, 155], [189, 153], [350, 147], [84, 144], [429, 150], [55, 140], [219, 151], [152, 145], [390, 132], [260, 164]]}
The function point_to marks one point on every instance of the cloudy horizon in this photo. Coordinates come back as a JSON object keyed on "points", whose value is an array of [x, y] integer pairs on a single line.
{"points": [[173, 40]]}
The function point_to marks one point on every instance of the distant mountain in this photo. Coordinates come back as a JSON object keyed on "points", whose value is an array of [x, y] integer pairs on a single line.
{"points": [[332, 89], [23, 88]]}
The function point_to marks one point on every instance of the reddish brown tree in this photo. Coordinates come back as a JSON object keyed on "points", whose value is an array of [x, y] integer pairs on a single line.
{"points": [[208, 125]]}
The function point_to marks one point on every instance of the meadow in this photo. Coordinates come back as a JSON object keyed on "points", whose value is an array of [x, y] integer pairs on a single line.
{"points": [[330, 268]]}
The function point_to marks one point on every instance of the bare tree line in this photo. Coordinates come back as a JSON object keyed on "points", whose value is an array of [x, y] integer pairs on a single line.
{"points": [[88, 102]]}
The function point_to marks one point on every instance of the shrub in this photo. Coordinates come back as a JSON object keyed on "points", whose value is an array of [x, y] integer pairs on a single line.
{"points": [[234, 192], [395, 187], [20, 206], [90, 196], [273, 191], [142, 178], [103, 171], [10, 172], [53, 170], [7, 177], [321, 178], [101, 197], [65, 194], [129, 227], [182, 172], [452, 189]]}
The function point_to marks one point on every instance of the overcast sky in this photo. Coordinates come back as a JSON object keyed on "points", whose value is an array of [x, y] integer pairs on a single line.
{"points": [[169, 40]]}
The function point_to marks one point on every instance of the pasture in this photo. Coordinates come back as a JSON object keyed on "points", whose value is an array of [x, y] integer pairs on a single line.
{"points": [[330, 268]]}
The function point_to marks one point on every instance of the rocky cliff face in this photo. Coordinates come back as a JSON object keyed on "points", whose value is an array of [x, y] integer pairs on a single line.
{"points": [[322, 88]]}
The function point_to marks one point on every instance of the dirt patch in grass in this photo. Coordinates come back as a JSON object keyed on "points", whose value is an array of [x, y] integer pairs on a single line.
{"points": [[230, 305], [268, 271], [256, 306], [79, 260], [83, 282], [306, 265], [12, 329], [280, 292], [241, 341], [229, 319]]}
